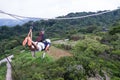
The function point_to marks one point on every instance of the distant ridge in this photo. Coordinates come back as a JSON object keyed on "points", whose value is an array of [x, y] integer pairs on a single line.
{"points": [[13, 22]]}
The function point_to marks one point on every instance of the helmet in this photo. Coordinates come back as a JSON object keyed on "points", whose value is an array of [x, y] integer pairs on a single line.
{"points": [[48, 40]]}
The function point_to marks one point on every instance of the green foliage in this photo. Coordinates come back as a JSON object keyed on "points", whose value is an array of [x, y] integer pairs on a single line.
{"points": [[2, 71], [117, 52], [115, 78], [90, 46], [91, 29], [115, 30], [28, 67], [89, 51]]}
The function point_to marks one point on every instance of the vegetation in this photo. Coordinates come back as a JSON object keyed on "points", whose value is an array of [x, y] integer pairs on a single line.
{"points": [[2, 71], [93, 42]]}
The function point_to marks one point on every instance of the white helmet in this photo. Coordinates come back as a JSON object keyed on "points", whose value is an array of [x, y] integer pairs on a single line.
{"points": [[48, 40]]}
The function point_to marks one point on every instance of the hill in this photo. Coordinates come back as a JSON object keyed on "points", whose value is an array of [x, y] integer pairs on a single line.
{"points": [[14, 22], [91, 59], [10, 22]]}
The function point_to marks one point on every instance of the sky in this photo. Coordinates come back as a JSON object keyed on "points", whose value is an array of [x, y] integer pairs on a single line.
{"points": [[54, 8]]}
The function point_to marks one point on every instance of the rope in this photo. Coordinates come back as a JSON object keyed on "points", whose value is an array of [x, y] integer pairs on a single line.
{"points": [[12, 15], [80, 17], [17, 15], [83, 16]]}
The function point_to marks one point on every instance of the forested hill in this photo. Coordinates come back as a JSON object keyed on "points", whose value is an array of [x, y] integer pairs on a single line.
{"points": [[13, 22], [65, 27], [99, 20]]}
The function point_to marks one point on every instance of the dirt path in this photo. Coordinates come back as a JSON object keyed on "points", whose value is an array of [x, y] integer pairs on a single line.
{"points": [[57, 53], [9, 72], [9, 69]]}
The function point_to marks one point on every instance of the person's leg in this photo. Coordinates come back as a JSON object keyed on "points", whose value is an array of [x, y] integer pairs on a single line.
{"points": [[24, 41], [33, 50], [33, 53], [30, 33], [35, 44], [28, 39], [43, 55]]}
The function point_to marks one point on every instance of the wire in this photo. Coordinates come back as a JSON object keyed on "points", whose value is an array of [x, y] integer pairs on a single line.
{"points": [[80, 17], [84, 16], [18, 15], [12, 15]]}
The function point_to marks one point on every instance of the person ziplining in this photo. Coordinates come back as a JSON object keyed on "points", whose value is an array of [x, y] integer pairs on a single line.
{"points": [[41, 37], [37, 45]]}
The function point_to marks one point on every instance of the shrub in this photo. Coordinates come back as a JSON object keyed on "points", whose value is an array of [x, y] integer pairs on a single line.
{"points": [[90, 46]]}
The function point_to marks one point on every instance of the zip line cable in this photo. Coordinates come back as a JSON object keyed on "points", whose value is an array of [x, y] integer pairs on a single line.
{"points": [[18, 15], [12, 15], [83, 16], [18, 18], [80, 17]]}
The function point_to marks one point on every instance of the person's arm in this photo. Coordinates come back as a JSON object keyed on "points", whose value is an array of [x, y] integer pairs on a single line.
{"points": [[40, 38], [29, 37], [47, 48]]}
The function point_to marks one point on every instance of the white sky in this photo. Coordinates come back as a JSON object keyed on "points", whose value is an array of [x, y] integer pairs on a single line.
{"points": [[54, 8]]}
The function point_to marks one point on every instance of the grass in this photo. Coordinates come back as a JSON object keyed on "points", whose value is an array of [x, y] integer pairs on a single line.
{"points": [[3, 70], [25, 65]]}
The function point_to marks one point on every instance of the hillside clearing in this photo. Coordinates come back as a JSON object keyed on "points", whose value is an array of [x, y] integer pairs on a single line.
{"points": [[58, 53]]}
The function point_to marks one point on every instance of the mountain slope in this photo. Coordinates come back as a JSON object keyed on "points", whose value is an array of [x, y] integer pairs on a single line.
{"points": [[10, 22], [14, 22]]}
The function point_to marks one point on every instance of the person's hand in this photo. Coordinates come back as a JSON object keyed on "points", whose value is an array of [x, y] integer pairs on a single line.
{"points": [[46, 50]]}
